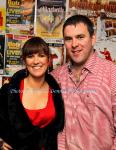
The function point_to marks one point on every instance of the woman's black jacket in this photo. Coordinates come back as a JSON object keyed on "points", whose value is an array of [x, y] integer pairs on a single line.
{"points": [[15, 126]]}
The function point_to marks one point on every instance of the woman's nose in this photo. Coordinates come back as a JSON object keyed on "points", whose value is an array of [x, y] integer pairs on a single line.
{"points": [[36, 59]]}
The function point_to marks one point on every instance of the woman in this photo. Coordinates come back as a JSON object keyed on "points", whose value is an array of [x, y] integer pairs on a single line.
{"points": [[31, 106]]}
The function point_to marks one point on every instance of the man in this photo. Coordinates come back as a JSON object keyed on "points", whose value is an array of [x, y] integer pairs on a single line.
{"points": [[88, 86]]}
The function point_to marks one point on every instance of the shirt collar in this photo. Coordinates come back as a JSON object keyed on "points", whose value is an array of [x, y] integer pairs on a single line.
{"points": [[89, 64]]}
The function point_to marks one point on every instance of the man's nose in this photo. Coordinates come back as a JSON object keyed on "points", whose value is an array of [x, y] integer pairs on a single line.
{"points": [[75, 43]]}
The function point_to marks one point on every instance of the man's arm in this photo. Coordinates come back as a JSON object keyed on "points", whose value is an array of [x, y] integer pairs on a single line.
{"points": [[61, 140], [113, 91], [61, 135]]}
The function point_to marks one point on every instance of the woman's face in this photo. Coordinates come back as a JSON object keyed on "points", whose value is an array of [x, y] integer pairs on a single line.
{"points": [[37, 64]]}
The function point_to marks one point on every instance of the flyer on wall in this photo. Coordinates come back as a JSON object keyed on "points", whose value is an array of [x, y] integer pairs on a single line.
{"points": [[20, 17], [2, 16], [56, 55], [13, 60], [2, 48], [103, 15], [50, 18]]}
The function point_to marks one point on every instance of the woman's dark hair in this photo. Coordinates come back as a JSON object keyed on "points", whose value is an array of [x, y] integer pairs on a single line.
{"points": [[76, 19], [35, 45]]}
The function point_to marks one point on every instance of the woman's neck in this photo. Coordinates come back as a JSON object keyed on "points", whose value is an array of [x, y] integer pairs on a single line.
{"points": [[34, 83]]}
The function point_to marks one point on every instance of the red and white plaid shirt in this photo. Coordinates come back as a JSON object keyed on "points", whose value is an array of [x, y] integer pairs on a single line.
{"points": [[90, 106]]}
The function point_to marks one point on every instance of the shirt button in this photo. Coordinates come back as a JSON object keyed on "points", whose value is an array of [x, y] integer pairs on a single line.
{"points": [[72, 138], [73, 121], [75, 106], [87, 95]]}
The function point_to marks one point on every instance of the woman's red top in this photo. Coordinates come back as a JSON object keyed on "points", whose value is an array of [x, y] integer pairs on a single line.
{"points": [[40, 117]]}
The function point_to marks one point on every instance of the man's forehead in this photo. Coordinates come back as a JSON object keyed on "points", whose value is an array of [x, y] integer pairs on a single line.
{"points": [[78, 29]]}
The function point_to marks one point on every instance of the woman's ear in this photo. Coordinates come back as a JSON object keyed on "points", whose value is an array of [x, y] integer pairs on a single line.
{"points": [[23, 61], [50, 60], [50, 63]]}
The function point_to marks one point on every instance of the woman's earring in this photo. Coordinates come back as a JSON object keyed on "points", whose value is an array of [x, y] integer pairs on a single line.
{"points": [[48, 71], [26, 72]]}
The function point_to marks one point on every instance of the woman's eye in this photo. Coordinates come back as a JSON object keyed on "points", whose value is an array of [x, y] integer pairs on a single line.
{"points": [[42, 55]]}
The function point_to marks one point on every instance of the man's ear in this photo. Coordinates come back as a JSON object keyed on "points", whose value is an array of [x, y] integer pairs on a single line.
{"points": [[93, 39]]}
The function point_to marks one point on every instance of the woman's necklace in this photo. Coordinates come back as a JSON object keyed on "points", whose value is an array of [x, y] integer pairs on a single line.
{"points": [[34, 86]]}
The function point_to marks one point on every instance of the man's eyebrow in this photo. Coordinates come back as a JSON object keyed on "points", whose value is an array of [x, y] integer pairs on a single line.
{"points": [[81, 34], [78, 35], [67, 37]]}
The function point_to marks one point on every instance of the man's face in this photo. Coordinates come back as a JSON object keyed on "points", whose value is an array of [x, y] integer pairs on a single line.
{"points": [[78, 43]]}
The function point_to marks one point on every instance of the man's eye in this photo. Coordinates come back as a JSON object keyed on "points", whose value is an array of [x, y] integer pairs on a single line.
{"points": [[67, 38], [80, 37]]}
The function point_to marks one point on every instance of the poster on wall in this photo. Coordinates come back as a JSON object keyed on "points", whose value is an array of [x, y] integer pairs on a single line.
{"points": [[4, 79], [2, 47], [2, 16], [56, 55], [50, 17], [20, 16], [103, 15], [13, 60]]}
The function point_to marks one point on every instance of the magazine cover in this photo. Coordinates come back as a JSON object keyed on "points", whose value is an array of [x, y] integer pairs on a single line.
{"points": [[50, 18], [103, 15], [20, 16], [2, 47], [13, 60], [2, 16], [56, 55]]}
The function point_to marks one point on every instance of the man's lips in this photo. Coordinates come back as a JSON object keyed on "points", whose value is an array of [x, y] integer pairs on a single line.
{"points": [[76, 52]]}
